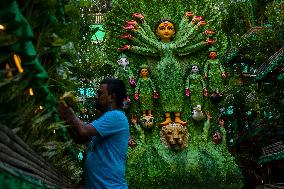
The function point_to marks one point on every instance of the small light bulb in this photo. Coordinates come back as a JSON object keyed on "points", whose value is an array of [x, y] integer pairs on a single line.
{"points": [[2, 27], [31, 92]]}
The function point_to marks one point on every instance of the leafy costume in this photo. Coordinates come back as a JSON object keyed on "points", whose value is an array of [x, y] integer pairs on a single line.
{"points": [[195, 84], [214, 69], [145, 88]]}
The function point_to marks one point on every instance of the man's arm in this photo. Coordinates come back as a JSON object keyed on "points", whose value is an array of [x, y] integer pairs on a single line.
{"points": [[83, 132]]}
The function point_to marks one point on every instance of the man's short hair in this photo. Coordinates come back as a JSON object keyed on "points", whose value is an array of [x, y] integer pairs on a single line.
{"points": [[117, 87]]}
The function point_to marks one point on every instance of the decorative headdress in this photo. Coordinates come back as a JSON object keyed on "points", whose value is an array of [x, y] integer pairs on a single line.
{"points": [[144, 66]]}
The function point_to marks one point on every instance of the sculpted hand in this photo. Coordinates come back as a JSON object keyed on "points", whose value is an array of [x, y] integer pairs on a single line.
{"points": [[196, 19], [205, 92], [139, 16], [131, 22], [188, 14], [132, 81], [125, 36], [209, 32], [211, 41], [133, 120], [128, 27], [187, 92], [201, 23], [156, 95], [131, 142], [208, 114], [136, 96], [124, 48]]}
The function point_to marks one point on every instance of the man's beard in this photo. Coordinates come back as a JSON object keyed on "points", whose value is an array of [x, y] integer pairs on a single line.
{"points": [[99, 107]]}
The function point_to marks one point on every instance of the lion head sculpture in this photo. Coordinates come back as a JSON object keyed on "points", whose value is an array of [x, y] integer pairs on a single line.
{"points": [[174, 136]]}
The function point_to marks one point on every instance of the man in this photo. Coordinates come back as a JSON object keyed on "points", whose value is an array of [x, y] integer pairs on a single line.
{"points": [[105, 162]]}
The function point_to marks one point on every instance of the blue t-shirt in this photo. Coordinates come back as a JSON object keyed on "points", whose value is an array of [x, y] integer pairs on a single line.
{"points": [[105, 162]]}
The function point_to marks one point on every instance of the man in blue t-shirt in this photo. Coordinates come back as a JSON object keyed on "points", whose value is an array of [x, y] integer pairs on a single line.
{"points": [[105, 162]]}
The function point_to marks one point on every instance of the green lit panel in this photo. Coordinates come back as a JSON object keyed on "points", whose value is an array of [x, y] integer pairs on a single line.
{"points": [[99, 32]]}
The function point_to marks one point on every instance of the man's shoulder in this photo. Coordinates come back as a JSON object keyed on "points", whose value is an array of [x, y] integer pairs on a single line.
{"points": [[116, 114]]}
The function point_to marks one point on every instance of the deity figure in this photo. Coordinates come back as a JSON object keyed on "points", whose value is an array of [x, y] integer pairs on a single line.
{"points": [[195, 87], [145, 92], [167, 44], [214, 73]]}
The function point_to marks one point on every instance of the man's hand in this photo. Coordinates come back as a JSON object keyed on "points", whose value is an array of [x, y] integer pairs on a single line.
{"points": [[62, 107]]}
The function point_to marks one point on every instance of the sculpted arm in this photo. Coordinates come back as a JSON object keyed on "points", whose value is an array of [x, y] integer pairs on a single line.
{"points": [[189, 31], [223, 132], [206, 127], [190, 49]]}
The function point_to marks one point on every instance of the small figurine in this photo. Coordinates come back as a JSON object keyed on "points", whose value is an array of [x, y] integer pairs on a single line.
{"points": [[197, 113], [195, 87], [124, 72], [145, 91], [214, 72]]}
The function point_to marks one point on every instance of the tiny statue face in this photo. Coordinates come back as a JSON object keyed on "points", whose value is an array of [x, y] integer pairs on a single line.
{"points": [[147, 122], [123, 62], [217, 137], [194, 69], [213, 55], [165, 31], [144, 72]]}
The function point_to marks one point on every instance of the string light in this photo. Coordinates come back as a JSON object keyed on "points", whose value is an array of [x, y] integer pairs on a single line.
{"points": [[31, 92], [18, 63], [2, 27]]}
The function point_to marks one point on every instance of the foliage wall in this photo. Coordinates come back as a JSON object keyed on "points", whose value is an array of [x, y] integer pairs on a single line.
{"points": [[48, 37], [202, 163]]}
